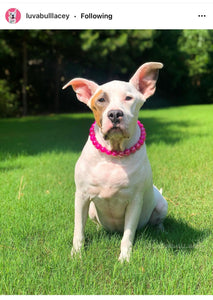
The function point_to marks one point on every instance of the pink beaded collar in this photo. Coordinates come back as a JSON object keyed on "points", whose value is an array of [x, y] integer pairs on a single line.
{"points": [[126, 152]]}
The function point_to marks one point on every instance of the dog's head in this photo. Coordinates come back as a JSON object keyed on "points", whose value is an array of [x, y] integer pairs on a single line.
{"points": [[116, 104], [12, 14]]}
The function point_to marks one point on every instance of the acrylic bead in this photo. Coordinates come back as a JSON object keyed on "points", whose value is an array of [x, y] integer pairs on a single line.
{"points": [[108, 152], [127, 152]]}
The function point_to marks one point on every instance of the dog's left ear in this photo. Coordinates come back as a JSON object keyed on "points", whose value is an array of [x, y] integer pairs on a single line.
{"points": [[84, 88], [145, 78]]}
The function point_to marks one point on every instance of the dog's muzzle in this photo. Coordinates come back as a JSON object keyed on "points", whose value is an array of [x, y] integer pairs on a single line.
{"points": [[117, 128]]}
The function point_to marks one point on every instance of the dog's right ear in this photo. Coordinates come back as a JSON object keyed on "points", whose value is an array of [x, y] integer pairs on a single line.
{"points": [[84, 88]]}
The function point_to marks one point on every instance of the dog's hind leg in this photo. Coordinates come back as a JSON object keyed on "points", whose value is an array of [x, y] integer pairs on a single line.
{"points": [[160, 211]]}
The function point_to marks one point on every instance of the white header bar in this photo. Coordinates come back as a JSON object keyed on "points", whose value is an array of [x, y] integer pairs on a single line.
{"points": [[115, 15]]}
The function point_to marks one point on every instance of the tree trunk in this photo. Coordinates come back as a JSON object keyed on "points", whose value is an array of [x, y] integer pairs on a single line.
{"points": [[24, 84], [57, 82]]}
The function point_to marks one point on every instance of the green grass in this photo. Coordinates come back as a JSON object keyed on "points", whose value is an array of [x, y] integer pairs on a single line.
{"points": [[37, 158]]}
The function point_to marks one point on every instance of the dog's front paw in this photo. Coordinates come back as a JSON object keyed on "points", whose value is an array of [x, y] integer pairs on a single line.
{"points": [[125, 255], [75, 252], [78, 244]]}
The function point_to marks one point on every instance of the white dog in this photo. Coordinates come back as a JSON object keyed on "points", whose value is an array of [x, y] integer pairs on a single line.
{"points": [[12, 16], [113, 175]]}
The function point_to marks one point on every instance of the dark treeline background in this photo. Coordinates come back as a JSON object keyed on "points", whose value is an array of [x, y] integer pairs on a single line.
{"points": [[35, 64]]}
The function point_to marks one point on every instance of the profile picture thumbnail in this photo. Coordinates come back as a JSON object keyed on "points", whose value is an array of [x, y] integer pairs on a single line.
{"points": [[13, 15]]}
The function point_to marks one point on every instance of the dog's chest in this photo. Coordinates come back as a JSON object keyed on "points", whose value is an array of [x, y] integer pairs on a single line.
{"points": [[104, 178], [108, 180]]}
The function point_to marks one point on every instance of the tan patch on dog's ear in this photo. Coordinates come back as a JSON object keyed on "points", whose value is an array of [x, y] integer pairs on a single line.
{"points": [[98, 104]]}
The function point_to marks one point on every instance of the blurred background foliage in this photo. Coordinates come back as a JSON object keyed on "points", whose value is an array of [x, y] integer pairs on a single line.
{"points": [[35, 64]]}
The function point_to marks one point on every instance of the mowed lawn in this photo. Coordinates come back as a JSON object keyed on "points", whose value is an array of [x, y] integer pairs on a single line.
{"points": [[37, 159]]}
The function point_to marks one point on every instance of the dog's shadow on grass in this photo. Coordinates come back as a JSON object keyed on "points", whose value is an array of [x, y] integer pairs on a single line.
{"points": [[177, 236]]}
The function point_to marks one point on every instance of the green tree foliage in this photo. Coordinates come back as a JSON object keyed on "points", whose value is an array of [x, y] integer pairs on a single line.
{"points": [[117, 50], [197, 47], [8, 104], [36, 63]]}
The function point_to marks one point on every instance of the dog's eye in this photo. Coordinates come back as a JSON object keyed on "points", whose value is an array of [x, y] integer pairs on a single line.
{"points": [[128, 98], [101, 100]]}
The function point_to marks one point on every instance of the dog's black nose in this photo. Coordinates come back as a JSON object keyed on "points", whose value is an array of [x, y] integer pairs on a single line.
{"points": [[115, 116]]}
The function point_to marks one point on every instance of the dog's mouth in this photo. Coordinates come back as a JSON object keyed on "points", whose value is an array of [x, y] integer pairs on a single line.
{"points": [[116, 132]]}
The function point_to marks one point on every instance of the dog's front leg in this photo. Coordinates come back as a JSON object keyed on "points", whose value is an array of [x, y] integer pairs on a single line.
{"points": [[132, 215], [81, 213]]}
